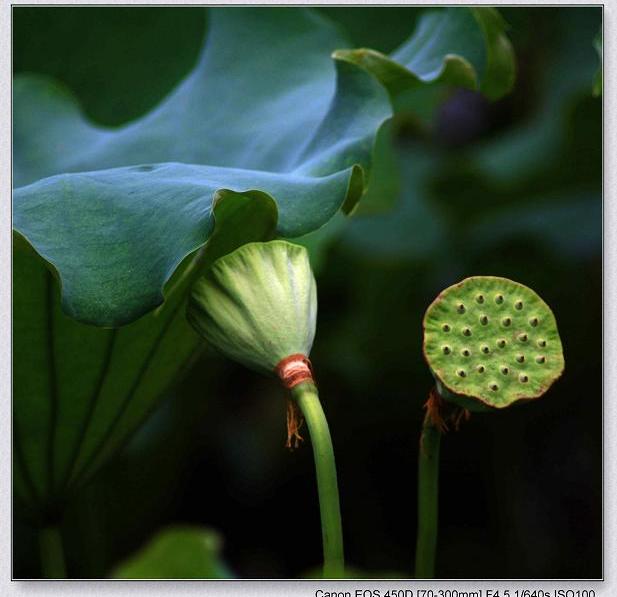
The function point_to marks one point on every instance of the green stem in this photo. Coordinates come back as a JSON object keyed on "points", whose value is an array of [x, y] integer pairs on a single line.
{"points": [[428, 496], [52, 554], [307, 398]]}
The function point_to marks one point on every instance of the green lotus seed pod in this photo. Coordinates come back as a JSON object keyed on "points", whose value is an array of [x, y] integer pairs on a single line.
{"points": [[490, 342], [258, 304]]}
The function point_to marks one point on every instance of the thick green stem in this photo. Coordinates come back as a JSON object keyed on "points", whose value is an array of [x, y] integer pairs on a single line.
{"points": [[428, 496], [52, 554], [307, 398]]}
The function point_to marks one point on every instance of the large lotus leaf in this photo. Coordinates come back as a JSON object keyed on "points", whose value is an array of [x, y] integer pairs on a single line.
{"points": [[116, 211], [81, 390], [111, 279]]}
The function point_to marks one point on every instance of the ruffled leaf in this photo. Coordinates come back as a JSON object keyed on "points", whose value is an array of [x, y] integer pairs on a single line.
{"points": [[459, 47], [115, 211]]}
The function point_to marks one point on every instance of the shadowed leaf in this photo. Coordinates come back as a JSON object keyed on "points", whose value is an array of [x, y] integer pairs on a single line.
{"points": [[177, 553]]}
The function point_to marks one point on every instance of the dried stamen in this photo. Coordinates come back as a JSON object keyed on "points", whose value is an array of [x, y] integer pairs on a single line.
{"points": [[294, 422]]}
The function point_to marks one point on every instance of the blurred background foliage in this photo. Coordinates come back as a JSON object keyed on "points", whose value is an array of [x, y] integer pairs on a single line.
{"points": [[462, 187]]}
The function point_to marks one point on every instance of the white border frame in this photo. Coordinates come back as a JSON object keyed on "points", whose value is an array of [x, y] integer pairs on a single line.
{"points": [[244, 588]]}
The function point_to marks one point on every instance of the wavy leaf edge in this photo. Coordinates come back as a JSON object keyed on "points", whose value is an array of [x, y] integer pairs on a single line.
{"points": [[454, 69]]}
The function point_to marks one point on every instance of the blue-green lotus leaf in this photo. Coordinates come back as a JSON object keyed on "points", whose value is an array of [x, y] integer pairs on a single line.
{"points": [[115, 211]]}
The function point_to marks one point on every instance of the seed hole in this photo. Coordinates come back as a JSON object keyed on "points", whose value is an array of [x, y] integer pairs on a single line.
{"points": [[523, 378], [461, 373], [460, 308], [523, 337], [506, 321], [446, 350], [445, 327], [520, 358], [505, 370], [465, 352], [485, 349], [483, 319], [533, 322], [480, 299], [480, 369], [501, 343], [518, 305], [466, 332], [541, 343], [493, 386], [499, 299], [540, 360]]}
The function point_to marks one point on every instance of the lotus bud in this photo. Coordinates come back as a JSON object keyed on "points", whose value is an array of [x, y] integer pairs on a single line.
{"points": [[258, 306]]}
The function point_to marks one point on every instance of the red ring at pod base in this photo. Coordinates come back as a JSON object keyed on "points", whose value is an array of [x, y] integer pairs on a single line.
{"points": [[294, 369]]}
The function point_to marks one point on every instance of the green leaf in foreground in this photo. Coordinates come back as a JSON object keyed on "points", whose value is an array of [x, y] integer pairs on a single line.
{"points": [[177, 553]]}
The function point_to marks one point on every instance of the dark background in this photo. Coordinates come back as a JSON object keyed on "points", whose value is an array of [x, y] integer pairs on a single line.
{"points": [[521, 490]]}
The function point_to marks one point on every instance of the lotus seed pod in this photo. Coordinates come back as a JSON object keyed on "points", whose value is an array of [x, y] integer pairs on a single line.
{"points": [[490, 342], [258, 304]]}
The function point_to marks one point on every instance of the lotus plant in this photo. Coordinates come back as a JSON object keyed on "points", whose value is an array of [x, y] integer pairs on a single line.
{"points": [[489, 343], [258, 306]]}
